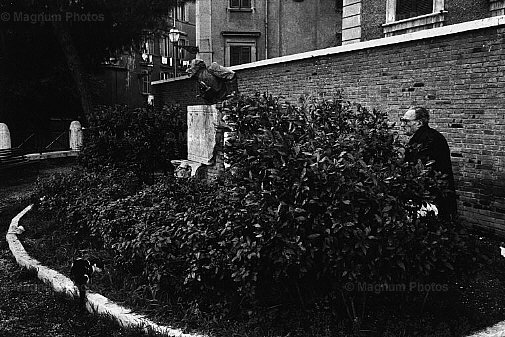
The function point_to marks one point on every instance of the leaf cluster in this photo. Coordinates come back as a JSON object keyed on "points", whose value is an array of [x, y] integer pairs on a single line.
{"points": [[138, 140]]}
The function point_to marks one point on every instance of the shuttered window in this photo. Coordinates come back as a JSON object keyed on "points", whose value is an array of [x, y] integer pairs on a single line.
{"points": [[146, 82], [411, 8], [240, 55]]}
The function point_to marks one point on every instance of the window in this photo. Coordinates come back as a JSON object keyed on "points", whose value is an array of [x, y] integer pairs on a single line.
{"points": [[164, 46], [246, 4], [240, 47], [182, 53], [407, 16], [146, 82], [405, 9], [148, 45], [240, 54], [165, 75], [411, 8], [182, 14]]}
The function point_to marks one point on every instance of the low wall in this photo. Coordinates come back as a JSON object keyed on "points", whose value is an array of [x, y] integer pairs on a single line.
{"points": [[458, 72], [179, 91]]}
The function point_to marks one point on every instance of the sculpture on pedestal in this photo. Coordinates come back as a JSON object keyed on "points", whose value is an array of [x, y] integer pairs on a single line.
{"points": [[214, 82]]}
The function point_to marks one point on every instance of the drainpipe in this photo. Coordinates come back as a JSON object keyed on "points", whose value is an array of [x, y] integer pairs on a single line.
{"points": [[266, 29]]}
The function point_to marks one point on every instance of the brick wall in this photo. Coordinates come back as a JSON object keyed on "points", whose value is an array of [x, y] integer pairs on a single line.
{"points": [[182, 92], [459, 77]]}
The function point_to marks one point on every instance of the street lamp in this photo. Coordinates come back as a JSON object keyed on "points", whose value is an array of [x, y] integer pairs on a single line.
{"points": [[174, 35]]}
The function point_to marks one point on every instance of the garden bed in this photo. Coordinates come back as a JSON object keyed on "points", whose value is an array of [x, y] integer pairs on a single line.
{"points": [[314, 231], [28, 307], [455, 309]]}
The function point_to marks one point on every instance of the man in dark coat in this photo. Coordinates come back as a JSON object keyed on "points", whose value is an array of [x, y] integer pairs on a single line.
{"points": [[427, 144]]}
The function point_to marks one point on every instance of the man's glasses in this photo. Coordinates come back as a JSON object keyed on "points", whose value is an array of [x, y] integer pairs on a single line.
{"points": [[406, 121]]}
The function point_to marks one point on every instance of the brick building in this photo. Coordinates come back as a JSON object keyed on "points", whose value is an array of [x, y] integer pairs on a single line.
{"points": [[126, 79], [451, 60]]}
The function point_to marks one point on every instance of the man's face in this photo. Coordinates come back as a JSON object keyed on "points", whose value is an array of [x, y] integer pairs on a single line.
{"points": [[409, 124]]}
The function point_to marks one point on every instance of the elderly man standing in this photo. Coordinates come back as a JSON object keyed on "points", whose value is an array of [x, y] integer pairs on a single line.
{"points": [[427, 144]]}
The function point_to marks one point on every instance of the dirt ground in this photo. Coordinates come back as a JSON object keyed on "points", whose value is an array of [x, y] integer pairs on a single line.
{"points": [[28, 307]]}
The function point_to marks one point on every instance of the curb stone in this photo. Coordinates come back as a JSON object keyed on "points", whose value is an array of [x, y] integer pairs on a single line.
{"points": [[95, 303], [497, 330]]}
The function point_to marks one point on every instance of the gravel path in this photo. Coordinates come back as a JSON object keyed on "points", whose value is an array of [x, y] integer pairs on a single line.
{"points": [[27, 306]]}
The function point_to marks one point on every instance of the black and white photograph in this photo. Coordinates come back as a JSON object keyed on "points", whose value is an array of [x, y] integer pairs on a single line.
{"points": [[252, 168]]}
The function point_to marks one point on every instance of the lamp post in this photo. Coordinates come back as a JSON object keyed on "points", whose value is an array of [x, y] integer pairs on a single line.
{"points": [[174, 35]]}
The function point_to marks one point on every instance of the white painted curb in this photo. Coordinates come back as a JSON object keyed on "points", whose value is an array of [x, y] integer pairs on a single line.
{"points": [[95, 303], [52, 155], [497, 330]]}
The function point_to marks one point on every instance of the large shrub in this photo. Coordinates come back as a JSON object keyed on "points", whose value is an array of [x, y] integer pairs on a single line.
{"points": [[138, 140], [331, 176], [318, 196]]}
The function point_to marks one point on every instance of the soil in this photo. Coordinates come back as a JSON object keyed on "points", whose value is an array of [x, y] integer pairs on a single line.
{"points": [[28, 307]]}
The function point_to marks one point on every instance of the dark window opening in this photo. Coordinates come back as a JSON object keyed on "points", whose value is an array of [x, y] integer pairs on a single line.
{"points": [[411, 8], [240, 55]]}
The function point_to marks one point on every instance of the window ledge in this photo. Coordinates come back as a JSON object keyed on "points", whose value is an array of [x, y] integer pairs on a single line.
{"points": [[417, 23]]}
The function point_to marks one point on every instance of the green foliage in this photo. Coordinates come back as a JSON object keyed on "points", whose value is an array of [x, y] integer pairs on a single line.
{"points": [[138, 140], [73, 199], [318, 196], [332, 176]]}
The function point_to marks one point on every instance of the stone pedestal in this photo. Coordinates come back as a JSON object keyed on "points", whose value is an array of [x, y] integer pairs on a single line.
{"points": [[205, 142], [5, 137], [202, 123], [75, 136]]}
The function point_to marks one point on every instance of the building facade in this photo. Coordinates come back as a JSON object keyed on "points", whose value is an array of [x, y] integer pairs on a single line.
{"points": [[233, 32], [373, 19], [126, 78]]}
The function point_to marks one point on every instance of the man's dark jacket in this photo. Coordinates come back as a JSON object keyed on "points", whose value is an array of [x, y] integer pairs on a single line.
{"points": [[428, 144]]}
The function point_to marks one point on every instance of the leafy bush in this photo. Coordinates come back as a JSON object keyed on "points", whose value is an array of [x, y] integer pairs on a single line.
{"points": [[318, 196], [73, 198], [332, 177], [138, 140]]}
